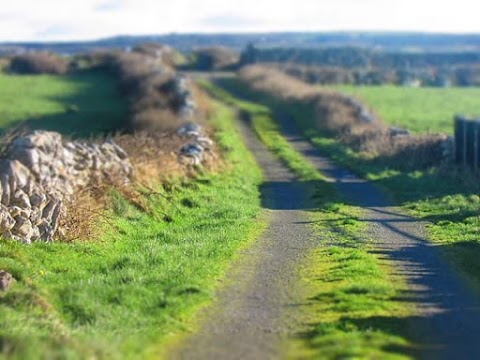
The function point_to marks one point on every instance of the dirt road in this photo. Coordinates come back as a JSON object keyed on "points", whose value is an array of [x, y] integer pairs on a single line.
{"points": [[257, 307], [256, 310], [449, 323]]}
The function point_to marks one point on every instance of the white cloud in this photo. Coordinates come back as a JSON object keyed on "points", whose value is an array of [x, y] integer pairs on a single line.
{"points": [[90, 19]]}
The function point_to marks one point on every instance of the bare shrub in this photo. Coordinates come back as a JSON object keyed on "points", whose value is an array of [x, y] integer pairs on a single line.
{"points": [[151, 87], [335, 112], [4, 64], [132, 69], [215, 58], [85, 215], [271, 80], [156, 157], [339, 116], [168, 55], [155, 119], [39, 63]]}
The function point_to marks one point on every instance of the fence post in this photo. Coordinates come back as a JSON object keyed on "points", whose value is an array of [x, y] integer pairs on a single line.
{"points": [[477, 138], [456, 135], [470, 143], [475, 144], [460, 149], [464, 141]]}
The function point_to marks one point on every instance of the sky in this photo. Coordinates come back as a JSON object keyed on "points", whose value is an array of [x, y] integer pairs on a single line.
{"points": [[52, 20]]}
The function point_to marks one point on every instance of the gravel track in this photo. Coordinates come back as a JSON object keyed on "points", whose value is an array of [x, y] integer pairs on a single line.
{"points": [[448, 325], [258, 307]]}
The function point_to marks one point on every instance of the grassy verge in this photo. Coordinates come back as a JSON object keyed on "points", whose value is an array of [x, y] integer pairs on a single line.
{"points": [[354, 309], [355, 304], [261, 118], [421, 110], [445, 196], [81, 104], [120, 295]]}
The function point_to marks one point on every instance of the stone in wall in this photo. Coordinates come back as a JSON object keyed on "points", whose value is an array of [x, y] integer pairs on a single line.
{"points": [[398, 131], [6, 280], [41, 173], [448, 148], [361, 111], [187, 106], [199, 146]]}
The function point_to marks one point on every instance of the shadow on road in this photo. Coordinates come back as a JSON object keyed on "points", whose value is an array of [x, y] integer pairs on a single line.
{"points": [[449, 325]]}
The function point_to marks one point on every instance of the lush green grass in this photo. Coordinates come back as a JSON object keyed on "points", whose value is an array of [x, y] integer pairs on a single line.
{"points": [[354, 309], [120, 295], [421, 110], [82, 104], [356, 304]]}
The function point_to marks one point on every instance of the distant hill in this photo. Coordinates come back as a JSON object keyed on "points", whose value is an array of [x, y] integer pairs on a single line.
{"points": [[411, 42]]}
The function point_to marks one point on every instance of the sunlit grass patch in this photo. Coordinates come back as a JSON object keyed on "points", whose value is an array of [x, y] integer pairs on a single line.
{"points": [[84, 104], [354, 310]]}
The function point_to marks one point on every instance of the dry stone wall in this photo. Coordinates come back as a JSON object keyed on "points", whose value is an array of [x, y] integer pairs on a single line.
{"points": [[40, 174], [198, 147], [184, 98]]}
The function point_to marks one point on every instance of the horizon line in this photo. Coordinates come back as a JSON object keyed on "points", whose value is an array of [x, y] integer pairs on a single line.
{"points": [[246, 33]]}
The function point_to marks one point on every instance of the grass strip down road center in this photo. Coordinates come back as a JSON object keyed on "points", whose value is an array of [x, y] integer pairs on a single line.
{"points": [[354, 309], [445, 196]]}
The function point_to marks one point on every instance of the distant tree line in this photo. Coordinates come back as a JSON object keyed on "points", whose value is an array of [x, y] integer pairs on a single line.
{"points": [[350, 65], [353, 57]]}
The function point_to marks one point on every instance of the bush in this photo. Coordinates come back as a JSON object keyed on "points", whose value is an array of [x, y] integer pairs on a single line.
{"points": [[39, 63], [215, 58], [169, 56], [4, 64], [155, 119], [340, 117], [152, 88]]}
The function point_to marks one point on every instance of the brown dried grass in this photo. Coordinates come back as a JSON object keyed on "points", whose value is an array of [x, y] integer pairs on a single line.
{"points": [[39, 63], [335, 114], [85, 215]]}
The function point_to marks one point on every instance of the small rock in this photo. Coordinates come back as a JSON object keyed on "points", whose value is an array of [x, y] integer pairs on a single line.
{"points": [[205, 142], [23, 228], [6, 280], [192, 149], [396, 131], [190, 129]]}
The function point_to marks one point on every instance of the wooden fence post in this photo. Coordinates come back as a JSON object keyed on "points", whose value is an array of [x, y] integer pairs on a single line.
{"points": [[456, 126], [470, 148], [460, 150], [475, 144], [464, 142]]}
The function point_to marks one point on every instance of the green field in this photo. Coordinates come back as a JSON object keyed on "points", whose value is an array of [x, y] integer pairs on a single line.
{"points": [[421, 110], [81, 104]]}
